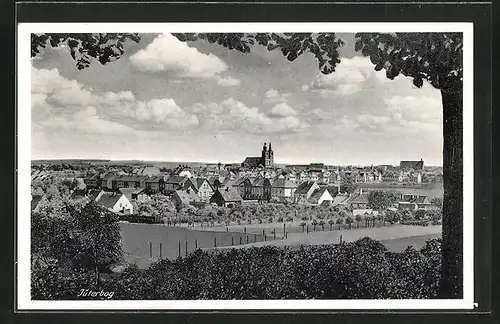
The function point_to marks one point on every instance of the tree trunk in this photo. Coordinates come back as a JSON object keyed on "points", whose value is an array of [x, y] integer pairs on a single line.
{"points": [[452, 244]]}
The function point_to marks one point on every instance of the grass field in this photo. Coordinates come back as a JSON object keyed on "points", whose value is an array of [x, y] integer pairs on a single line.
{"points": [[333, 237], [136, 240]]}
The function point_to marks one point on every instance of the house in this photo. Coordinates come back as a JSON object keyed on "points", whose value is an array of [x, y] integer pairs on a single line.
{"points": [[413, 202], [184, 197], [261, 189], [282, 188], [148, 171], [320, 195], [185, 173], [176, 182], [37, 202], [305, 190], [201, 187], [132, 193], [359, 201], [115, 202], [392, 177], [227, 197], [155, 184], [412, 165], [341, 199]]}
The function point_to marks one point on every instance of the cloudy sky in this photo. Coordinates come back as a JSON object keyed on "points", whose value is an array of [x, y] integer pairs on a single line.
{"points": [[166, 100]]}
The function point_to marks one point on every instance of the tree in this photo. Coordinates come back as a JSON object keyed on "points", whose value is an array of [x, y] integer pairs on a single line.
{"points": [[435, 57], [98, 235], [381, 200]]}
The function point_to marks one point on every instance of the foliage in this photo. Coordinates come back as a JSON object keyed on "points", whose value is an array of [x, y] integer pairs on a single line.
{"points": [[381, 200], [358, 270], [105, 47], [435, 57]]}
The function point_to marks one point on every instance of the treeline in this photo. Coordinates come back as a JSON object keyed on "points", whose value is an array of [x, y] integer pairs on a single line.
{"points": [[359, 270]]}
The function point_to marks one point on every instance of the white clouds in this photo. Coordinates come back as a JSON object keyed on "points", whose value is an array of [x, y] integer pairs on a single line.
{"points": [[273, 95], [167, 53], [282, 110], [234, 115], [85, 121], [349, 77], [228, 81], [73, 106], [164, 111]]}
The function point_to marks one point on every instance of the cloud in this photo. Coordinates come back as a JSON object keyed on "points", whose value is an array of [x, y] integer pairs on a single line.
{"points": [[282, 110], [228, 81], [167, 53], [273, 95], [350, 77], [64, 103], [164, 111], [403, 115], [85, 121], [232, 115]]}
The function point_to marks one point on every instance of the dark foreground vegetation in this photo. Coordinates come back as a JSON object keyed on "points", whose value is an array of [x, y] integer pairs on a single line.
{"points": [[359, 270]]}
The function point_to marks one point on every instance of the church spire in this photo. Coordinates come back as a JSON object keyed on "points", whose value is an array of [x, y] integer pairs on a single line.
{"points": [[270, 148]]}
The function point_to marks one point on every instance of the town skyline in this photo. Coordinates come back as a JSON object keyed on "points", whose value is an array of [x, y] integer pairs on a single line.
{"points": [[166, 100]]}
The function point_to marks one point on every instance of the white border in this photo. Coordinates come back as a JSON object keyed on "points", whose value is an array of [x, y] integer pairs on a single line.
{"points": [[24, 301]]}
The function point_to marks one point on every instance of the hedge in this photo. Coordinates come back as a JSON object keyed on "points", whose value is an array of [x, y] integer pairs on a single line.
{"points": [[359, 270]]}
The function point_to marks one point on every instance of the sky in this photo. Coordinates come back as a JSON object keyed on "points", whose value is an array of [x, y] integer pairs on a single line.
{"points": [[167, 100]]}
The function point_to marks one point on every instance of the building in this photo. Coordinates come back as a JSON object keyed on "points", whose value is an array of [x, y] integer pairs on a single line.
{"points": [[227, 197], [282, 188], [115, 202], [148, 171], [175, 182], [412, 165], [201, 187], [359, 201], [305, 190], [155, 184], [265, 160], [320, 195], [413, 202], [184, 197]]}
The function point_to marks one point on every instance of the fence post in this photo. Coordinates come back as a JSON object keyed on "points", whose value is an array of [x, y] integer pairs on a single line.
{"points": [[232, 240], [247, 239], [255, 237], [150, 249], [274, 234], [186, 252], [240, 240], [196, 244], [340, 238], [284, 229], [160, 251], [215, 241], [179, 249], [307, 229]]}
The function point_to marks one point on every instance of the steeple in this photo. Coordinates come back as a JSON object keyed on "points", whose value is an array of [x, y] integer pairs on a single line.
{"points": [[270, 148], [264, 148]]}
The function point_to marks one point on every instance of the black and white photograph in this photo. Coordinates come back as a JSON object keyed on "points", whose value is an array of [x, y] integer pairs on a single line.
{"points": [[245, 166]]}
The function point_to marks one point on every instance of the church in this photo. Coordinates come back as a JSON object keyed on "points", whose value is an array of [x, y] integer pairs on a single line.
{"points": [[266, 159]]}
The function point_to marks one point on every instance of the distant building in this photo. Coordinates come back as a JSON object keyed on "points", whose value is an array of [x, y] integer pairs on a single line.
{"points": [[413, 202], [115, 202], [148, 171], [412, 165], [265, 160], [305, 190], [320, 195], [227, 197]]}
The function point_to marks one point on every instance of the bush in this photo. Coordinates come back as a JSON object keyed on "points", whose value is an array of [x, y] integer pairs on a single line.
{"points": [[358, 270]]}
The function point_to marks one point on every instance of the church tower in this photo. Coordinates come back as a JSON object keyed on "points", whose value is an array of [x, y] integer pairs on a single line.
{"points": [[269, 157]]}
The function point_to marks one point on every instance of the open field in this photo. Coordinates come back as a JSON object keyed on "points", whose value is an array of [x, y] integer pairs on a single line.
{"points": [[333, 237], [136, 238]]}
